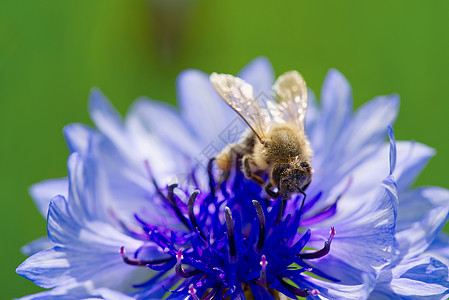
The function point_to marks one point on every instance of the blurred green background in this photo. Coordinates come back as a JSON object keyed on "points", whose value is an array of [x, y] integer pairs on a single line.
{"points": [[53, 52]]}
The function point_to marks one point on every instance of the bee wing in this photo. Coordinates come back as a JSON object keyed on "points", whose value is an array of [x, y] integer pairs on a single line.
{"points": [[239, 95], [291, 90]]}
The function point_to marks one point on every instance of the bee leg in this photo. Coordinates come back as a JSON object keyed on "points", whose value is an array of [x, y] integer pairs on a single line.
{"points": [[282, 208], [270, 193], [246, 168], [306, 186], [303, 199]]}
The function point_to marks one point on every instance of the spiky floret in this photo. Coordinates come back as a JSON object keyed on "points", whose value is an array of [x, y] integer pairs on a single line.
{"points": [[235, 241]]}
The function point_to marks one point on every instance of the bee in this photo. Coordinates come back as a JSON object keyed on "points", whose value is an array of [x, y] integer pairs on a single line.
{"points": [[275, 143]]}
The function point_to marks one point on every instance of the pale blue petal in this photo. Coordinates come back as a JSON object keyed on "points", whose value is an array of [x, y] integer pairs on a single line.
{"points": [[81, 200], [109, 122], [367, 232], [415, 204], [165, 121], [116, 179], [164, 159], [44, 191], [417, 238], [37, 245], [312, 115], [421, 271], [336, 291], [383, 292], [46, 269], [69, 292], [105, 117], [440, 248], [333, 266], [110, 294], [82, 245], [77, 291], [365, 177], [336, 106], [364, 135], [411, 160], [419, 278], [369, 127], [203, 109], [393, 151], [77, 137]]}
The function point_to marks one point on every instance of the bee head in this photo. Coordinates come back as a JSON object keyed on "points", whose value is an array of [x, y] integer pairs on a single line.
{"points": [[288, 177]]}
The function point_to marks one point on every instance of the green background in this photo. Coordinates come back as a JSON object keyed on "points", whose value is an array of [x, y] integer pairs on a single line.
{"points": [[53, 52]]}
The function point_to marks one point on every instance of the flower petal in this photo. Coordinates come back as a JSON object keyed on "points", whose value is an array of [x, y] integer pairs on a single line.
{"points": [[423, 277], [163, 120], [82, 245], [44, 191], [417, 238], [203, 109], [330, 290], [37, 245], [368, 232], [412, 157], [420, 277], [337, 106], [440, 248], [77, 137], [363, 136], [68, 292], [415, 204], [312, 114], [105, 117]]}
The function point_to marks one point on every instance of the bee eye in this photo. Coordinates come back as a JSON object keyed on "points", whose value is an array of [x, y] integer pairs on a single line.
{"points": [[304, 164]]}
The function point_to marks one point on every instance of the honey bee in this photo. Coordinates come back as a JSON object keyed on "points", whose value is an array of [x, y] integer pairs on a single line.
{"points": [[275, 143]]}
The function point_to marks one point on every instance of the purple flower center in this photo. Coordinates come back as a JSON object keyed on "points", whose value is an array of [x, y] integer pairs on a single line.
{"points": [[234, 239]]}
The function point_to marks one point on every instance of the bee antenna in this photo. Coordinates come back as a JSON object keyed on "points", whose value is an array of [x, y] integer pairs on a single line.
{"points": [[303, 199]]}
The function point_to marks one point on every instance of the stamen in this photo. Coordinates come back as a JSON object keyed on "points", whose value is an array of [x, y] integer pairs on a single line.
{"points": [[179, 256], [211, 177], [231, 235], [322, 252], [139, 262], [192, 217], [192, 292], [153, 180], [180, 271], [297, 291], [212, 294], [171, 199], [314, 292], [261, 217], [263, 272]]}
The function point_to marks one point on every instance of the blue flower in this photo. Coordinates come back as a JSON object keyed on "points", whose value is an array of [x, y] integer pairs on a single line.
{"points": [[119, 229]]}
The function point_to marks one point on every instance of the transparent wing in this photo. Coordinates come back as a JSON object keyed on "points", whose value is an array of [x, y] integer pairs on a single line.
{"points": [[291, 90], [239, 95]]}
